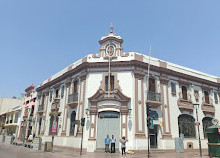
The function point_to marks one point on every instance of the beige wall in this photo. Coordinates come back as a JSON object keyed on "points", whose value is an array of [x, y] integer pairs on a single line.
{"points": [[7, 104]]}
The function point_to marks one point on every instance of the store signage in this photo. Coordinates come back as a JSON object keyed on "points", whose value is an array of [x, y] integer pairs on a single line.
{"points": [[54, 127], [218, 130]]}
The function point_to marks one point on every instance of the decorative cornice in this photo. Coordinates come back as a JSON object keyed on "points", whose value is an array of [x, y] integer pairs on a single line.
{"points": [[164, 80], [138, 74], [135, 63]]}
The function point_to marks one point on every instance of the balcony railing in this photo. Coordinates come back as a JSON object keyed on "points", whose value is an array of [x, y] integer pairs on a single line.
{"points": [[154, 99], [153, 96], [185, 104], [73, 100]]}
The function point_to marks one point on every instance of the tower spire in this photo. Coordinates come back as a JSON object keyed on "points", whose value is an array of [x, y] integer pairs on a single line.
{"points": [[111, 30]]}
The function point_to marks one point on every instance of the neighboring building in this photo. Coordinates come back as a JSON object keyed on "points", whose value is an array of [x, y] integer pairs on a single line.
{"points": [[114, 103], [27, 119], [10, 112]]}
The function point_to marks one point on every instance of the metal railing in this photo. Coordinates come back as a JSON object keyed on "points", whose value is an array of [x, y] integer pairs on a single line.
{"points": [[73, 97], [153, 96]]}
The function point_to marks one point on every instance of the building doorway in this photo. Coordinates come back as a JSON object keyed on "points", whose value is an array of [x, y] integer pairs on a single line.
{"points": [[153, 137], [108, 123]]}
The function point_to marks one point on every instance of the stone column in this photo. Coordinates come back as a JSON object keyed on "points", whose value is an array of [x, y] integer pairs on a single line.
{"points": [[139, 105], [124, 121], [165, 107], [93, 120], [81, 105], [47, 97], [66, 108]]}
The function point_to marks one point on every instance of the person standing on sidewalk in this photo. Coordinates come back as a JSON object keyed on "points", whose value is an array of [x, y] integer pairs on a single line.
{"points": [[123, 146], [113, 141], [107, 141]]}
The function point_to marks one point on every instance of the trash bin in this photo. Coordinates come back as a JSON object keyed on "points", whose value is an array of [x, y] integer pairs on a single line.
{"points": [[48, 146], [213, 140]]}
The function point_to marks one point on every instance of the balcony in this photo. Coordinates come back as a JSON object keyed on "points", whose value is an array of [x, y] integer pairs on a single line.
{"points": [[73, 100], [40, 109], [208, 107], [185, 104], [154, 99]]}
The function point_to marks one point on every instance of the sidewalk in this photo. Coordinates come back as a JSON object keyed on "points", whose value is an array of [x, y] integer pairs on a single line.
{"points": [[12, 151]]}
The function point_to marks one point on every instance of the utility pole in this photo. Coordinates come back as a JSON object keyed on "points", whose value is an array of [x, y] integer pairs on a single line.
{"points": [[148, 107], [82, 124], [200, 149]]}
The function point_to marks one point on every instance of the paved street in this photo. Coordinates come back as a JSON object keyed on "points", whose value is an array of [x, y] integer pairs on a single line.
{"points": [[12, 151]]}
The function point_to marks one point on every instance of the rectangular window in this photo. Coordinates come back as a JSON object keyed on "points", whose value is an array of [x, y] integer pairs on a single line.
{"points": [[152, 85], [62, 91], [75, 90], [216, 97], [57, 93], [51, 94], [111, 83], [206, 94], [184, 93], [173, 88]]}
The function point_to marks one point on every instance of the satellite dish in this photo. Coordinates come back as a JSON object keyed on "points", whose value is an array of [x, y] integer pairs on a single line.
{"points": [[215, 121]]}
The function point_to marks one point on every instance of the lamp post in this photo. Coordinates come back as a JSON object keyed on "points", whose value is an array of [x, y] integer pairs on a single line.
{"points": [[197, 106], [54, 121]]}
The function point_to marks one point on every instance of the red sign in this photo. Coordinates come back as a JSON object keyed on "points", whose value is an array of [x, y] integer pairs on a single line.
{"points": [[219, 130], [197, 123], [54, 127]]}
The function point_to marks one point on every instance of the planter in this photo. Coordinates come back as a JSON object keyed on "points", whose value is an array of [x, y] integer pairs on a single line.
{"points": [[9, 139], [2, 138], [37, 143]]}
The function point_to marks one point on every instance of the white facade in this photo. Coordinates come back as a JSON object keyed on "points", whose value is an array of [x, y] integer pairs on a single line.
{"points": [[81, 87]]}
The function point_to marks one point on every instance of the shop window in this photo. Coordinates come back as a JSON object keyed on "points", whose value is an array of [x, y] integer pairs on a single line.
{"points": [[187, 126], [72, 123], [111, 83], [173, 88], [184, 92], [206, 94], [206, 122]]}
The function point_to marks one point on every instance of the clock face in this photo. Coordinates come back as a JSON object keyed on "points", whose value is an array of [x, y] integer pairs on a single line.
{"points": [[110, 50]]}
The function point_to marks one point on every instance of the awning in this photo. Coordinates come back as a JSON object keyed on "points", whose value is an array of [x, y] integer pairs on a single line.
{"points": [[30, 104]]}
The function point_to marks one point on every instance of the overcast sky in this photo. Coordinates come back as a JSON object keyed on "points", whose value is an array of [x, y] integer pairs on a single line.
{"points": [[40, 38]]}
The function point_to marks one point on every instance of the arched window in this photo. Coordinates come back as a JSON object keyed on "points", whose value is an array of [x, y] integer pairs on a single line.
{"points": [[72, 123], [187, 126], [184, 92], [207, 122], [206, 94]]}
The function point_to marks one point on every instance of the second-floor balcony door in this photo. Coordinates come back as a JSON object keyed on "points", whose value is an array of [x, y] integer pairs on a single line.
{"points": [[152, 86]]}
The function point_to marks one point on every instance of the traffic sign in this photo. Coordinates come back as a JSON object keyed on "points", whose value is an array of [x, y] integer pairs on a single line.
{"points": [[152, 124], [197, 123]]}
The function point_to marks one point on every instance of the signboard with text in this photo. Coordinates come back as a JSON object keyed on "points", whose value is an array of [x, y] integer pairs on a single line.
{"points": [[54, 127], [197, 123]]}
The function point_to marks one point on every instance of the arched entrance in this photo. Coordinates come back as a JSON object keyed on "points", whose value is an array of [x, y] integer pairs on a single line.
{"points": [[108, 123]]}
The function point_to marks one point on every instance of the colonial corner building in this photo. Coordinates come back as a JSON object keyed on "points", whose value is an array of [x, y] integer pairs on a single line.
{"points": [[109, 89]]}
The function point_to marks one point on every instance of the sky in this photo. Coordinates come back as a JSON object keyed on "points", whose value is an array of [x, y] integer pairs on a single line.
{"points": [[40, 38]]}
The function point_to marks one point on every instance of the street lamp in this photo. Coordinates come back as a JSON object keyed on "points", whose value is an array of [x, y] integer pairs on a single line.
{"points": [[197, 106]]}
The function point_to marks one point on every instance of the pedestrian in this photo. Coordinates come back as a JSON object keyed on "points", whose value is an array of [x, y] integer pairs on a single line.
{"points": [[107, 141], [123, 146], [113, 141], [30, 138]]}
